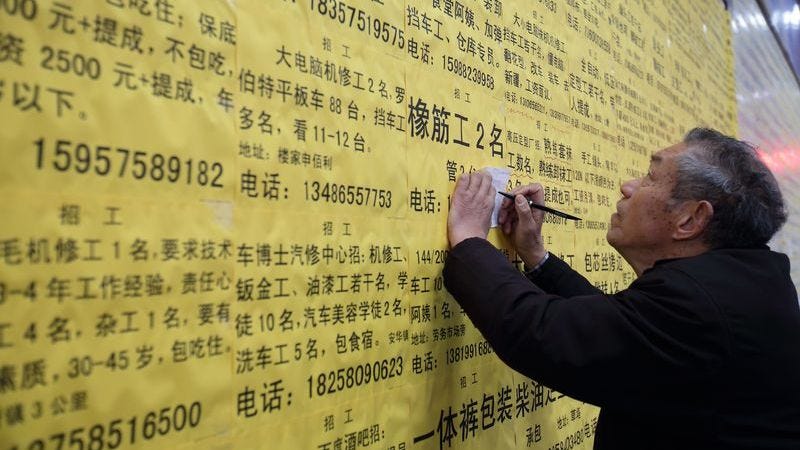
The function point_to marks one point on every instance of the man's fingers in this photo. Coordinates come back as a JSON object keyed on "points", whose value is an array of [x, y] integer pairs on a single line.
{"points": [[462, 184], [507, 225], [528, 189], [533, 191], [521, 205], [480, 188], [502, 215], [487, 188], [479, 179], [507, 211], [537, 193]]}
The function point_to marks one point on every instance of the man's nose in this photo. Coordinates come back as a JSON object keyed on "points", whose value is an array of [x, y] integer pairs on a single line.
{"points": [[629, 187]]}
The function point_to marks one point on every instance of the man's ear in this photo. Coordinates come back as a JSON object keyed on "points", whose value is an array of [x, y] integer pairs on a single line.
{"points": [[693, 219]]}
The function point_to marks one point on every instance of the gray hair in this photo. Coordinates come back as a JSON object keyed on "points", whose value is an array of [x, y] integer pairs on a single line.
{"points": [[748, 205]]}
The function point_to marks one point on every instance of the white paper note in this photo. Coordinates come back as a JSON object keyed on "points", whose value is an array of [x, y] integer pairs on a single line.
{"points": [[500, 176]]}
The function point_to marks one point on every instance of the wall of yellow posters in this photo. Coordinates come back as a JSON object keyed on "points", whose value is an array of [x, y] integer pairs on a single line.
{"points": [[224, 221]]}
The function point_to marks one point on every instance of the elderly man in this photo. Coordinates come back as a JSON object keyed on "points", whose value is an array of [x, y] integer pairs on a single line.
{"points": [[701, 351]]}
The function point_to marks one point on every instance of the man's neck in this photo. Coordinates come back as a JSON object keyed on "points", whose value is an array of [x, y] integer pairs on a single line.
{"points": [[646, 258]]}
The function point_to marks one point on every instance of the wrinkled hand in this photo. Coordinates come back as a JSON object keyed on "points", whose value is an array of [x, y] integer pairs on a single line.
{"points": [[522, 225], [471, 207]]}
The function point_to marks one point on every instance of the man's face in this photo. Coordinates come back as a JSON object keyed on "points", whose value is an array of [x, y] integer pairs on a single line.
{"points": [[643, 222]]}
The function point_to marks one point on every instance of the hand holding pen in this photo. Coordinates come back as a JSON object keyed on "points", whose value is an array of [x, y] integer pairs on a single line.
{"points": [[542, 207], [522, 225]]}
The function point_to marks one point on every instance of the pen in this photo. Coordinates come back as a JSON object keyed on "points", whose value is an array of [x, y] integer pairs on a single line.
{"points": [[542, 207]]}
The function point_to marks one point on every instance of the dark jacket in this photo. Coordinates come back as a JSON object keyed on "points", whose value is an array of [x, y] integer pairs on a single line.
{"points": [[697, 353]]}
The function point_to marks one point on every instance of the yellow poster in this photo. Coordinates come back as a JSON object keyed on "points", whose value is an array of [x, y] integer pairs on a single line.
{"points": [[225, 221]]}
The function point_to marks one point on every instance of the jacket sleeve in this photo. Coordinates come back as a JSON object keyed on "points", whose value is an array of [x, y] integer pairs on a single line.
{"points": [[557, 277], [609, 350]]}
